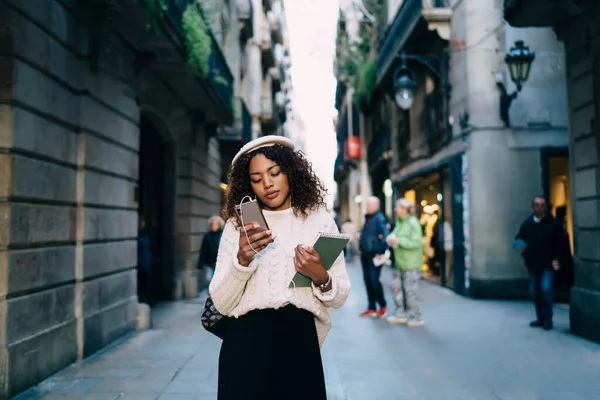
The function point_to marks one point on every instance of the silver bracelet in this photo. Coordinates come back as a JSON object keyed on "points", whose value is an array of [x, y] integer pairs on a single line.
{"points": [[323, 286]]}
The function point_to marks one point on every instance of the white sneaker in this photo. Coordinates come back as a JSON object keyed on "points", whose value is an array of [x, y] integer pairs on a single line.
{"points": [[394, 319], [415, 322]]}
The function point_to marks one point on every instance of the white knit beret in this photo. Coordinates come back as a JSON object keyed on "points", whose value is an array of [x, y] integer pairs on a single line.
{"points": [[264, 141]]}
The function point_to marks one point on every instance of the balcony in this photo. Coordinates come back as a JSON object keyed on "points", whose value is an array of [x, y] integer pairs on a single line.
{"points": [[231, 138], [246, 19], [267, 48], [220, 79], [276, 29], [525, 13], [269, 118], [276, 75], [414, 18], [281, 102], [241, 130], [220, 76], [379, 149]]}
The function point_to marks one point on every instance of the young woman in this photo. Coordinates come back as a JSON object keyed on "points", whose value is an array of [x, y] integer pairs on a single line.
{"points": [[407, 242], [210, 247], [272, 346]]}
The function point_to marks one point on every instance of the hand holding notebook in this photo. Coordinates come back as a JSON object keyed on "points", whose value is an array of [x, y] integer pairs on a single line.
{"points": [[329, 246]]}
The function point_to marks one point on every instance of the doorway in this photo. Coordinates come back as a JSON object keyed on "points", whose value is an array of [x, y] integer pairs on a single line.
{"points": [[556, 178], [154, 241]]}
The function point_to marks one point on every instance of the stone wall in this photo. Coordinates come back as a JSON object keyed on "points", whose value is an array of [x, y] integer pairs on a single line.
{"points": [[69, 143], [583, 81], [69, 160], [198, 198], [505, 163]]}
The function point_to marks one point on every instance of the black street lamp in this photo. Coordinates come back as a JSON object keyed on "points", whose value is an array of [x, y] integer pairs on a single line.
{"points": [[404, 85], [518, 60], [404, 81]]}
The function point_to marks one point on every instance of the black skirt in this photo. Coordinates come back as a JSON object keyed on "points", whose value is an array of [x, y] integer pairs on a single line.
{"points": [[271, 355]]}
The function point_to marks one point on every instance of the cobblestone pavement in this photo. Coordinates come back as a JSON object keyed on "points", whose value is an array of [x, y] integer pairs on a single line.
{"points": [[468, 350]]}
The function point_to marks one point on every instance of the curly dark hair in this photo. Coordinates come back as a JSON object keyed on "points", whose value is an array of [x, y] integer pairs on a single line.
{"points": [[307, 192]]}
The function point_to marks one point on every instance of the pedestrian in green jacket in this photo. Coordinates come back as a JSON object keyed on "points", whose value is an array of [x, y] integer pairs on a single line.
{"points": [[407, 241]]}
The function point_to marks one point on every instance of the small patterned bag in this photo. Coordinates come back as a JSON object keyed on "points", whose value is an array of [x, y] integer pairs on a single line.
{"points": [[213, 321]]}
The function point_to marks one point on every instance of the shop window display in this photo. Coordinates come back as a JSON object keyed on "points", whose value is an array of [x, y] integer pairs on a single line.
{"points": [[428, 194]]}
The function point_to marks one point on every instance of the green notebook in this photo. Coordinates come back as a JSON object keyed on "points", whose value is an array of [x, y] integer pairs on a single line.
{"points": [[329, 246]]}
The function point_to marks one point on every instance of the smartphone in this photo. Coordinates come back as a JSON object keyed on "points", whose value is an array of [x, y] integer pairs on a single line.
{"points": [[251, 212]]}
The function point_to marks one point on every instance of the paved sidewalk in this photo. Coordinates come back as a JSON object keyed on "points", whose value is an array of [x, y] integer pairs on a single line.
{"points": [[468, 350]]}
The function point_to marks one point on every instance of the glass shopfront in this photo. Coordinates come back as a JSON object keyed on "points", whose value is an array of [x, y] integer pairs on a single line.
{"points": [[428, 193]]}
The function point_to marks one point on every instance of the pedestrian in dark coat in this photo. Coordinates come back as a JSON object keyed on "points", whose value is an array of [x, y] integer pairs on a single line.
{"points": [[540, 240], [210, 246]]}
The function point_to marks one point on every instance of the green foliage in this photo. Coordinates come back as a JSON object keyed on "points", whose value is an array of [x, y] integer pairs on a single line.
{"points": [[197, 39], [355, 61], [218, 78], [365, 80], [351, 54]]}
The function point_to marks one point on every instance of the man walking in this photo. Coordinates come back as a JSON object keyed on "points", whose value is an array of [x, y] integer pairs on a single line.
{"points": [[372, 244], [539, 241]]}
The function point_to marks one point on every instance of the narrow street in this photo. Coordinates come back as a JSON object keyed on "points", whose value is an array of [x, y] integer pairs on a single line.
{"points": [[468, 350]]}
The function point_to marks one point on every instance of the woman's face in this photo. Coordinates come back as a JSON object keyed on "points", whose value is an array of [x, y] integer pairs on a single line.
{"points": [[401, 212], [215, 226], [270, 185]]}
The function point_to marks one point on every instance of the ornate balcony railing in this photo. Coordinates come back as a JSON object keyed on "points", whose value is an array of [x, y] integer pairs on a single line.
{"points": [[267, 47], [275, 26], [246, 17], [219, 75], [241, 130]]}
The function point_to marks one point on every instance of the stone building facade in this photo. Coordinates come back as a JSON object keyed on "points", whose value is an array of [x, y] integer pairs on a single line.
{"points": [[471, 176], [575, 23], [103, 123]]}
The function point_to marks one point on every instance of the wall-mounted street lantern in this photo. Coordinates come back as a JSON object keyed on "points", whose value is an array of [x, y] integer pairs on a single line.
{"points": [[518, 60], [404, 85], [404, 81]]}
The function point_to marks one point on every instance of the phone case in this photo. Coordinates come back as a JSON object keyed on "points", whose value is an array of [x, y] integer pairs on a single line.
{"points": [[251, 212]]}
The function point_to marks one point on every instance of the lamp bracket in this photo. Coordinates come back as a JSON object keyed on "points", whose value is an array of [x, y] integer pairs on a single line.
{"points": [[505, 102], [433, 62]]}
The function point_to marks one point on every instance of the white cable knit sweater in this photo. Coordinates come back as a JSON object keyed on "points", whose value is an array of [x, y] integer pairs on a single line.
{"points": [[236, 289]]}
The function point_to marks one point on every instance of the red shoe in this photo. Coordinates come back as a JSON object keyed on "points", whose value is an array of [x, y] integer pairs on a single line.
{"points": [[368, 313], [382, 313]]}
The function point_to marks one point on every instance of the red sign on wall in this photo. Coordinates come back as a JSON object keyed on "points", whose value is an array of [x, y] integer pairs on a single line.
{"points": [[354, 148]]}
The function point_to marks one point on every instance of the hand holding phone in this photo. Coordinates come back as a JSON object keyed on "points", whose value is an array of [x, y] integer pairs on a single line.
{"points": [[255, 234], [258, 238]]}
